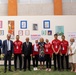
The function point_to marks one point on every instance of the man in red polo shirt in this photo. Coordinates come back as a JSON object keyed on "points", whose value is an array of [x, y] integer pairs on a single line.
{"points": [[17, 53], [64, 52], [56, 50], [48, 54]]}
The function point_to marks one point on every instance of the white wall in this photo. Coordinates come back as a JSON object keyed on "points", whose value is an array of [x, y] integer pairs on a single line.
{"points": [[35, 9], [69, 23], [69, 8], [3, 9]]}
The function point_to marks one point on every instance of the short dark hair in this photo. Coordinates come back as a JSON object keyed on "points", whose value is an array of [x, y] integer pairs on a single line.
{"points": [[17, 35], [63, 35], [56, 34]]}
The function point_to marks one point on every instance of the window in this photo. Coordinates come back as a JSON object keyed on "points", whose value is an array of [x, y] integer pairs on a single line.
{"points": [[73, 0], [3, 1], [68, 0], [34, 1]]}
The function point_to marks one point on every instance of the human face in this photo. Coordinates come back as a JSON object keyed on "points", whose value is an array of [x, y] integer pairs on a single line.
{"points": [[63, 37], [8, 37], [17, 37], [47, 40], [27, 39], [36, 41], [41, 40], [56, 36]]}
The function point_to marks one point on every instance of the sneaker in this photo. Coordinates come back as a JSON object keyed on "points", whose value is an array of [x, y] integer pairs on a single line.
{"points": [[47, 69], [36, 68], [75, 71]]}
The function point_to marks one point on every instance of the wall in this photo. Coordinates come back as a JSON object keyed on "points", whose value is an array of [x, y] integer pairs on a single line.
{"points": [[35, 9], [69, 23], [69, 8], [3, 9]]}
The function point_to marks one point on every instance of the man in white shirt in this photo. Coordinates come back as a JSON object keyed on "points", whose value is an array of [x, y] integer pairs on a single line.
{"points": [[7, 52]]}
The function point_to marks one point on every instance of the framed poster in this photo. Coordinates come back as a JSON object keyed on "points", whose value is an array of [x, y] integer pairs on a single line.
{"points": [[23, 24], [43, 32], [71, 35], [46, 24], [11, 28], [49, 32], [59, 30], [0, 24], [20, 32], [35, 26], [27, 32], [1, 32]]}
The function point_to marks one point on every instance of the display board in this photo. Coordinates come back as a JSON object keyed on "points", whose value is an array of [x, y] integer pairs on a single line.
{"points": [[35, 27]]}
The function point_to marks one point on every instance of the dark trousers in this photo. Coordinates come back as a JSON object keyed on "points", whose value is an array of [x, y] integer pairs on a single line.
{"points": [[27, 61], [48, 61], [35, 61], [0, 53], [7, 57], [15, 61], [56, 61], [66, 61]]}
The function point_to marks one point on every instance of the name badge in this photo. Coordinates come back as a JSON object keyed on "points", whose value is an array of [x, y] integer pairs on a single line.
{"points": [[17, 47], [36, 50], [46, 50], [63, 48], [56, 46]]}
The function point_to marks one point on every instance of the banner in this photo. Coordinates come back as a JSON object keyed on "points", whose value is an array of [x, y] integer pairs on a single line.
{"points": [[35, 37], [72, 35]]}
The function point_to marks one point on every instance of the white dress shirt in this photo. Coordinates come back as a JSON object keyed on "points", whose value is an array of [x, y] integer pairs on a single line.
{"points": [[8, 45]]}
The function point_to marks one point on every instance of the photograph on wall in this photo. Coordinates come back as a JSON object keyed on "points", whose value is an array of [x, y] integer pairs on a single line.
{"points": [[49, 32], [1, 32], [46, 24], [35, 26], [11, 28], [0, 24], [35, 37], [23, 24], [20, 32], [27, 32], [59, 30], [71, 35], [43, 32]]}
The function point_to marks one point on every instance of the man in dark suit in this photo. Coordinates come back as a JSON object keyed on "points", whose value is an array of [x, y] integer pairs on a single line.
{"points": [[0, 48], [27, 53], [7, 52]]}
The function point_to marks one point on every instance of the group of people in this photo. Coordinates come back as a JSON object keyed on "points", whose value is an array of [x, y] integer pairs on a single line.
{"points": [[60, 51]]}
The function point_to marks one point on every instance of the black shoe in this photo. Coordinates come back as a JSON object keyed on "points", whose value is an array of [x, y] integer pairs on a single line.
{"points": [[55, 69], [20, 69], [29, 69], [15, 69], [59, 70], [4, 71], [62, 69], [24, 69], [10, 70]]}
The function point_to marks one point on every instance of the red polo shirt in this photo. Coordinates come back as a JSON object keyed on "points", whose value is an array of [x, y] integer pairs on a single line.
{"points": [[64, 46], [48, 49], [17, 47], [56, 44]]}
